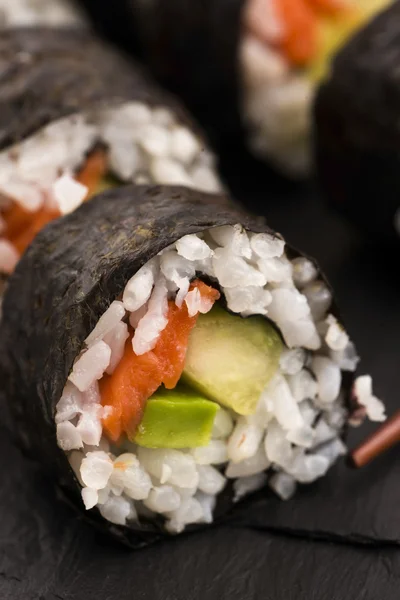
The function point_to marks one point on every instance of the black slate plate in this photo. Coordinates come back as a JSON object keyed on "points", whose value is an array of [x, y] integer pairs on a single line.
{"points": [[47, 554]]}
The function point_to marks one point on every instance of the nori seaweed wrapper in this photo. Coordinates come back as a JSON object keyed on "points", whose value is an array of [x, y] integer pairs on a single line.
{"points": [[61, 287], [357, 132], [47, 74], [191, 46]]}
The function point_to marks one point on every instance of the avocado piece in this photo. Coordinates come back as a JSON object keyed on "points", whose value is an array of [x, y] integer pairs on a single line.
{"points": [[231, 359], [178, 418]]}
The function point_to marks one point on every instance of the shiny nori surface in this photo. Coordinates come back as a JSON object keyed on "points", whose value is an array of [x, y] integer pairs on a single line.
{"points": [[357, 131], [47, 74], [63, 284], [191, 46]]}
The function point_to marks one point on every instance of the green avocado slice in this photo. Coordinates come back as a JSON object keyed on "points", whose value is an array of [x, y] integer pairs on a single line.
{"points": [[231, 359], [178, 418]]}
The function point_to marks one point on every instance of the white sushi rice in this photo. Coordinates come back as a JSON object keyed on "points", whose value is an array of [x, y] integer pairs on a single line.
{"points": [[276, 106], [293, 436], [16, 13], [141, 147], [363, 392]]}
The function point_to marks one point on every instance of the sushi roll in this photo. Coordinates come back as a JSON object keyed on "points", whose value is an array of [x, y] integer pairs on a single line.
{"points": [[165, 355], [357, 137], [249, 65], [76, 117]]}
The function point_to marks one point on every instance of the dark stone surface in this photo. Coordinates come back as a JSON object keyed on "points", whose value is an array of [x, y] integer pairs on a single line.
{"points": [[46, 553]]}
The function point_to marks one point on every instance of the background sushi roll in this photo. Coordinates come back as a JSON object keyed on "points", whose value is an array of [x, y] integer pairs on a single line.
{"points": [[249, 64], [178, 355], [76, 117], [357, 135]]}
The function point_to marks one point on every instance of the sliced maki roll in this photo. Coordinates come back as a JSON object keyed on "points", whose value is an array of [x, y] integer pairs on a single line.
{"points": [[286, 50], [357, 137], [250, 64], [178, 355], [75, 117]]}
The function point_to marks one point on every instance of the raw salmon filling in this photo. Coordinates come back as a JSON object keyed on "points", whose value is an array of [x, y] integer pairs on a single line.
{"points": [[220, 360], [145, 373]]}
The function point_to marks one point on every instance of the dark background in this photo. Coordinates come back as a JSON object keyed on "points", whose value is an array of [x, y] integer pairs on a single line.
{"points": [[338, 539]]}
